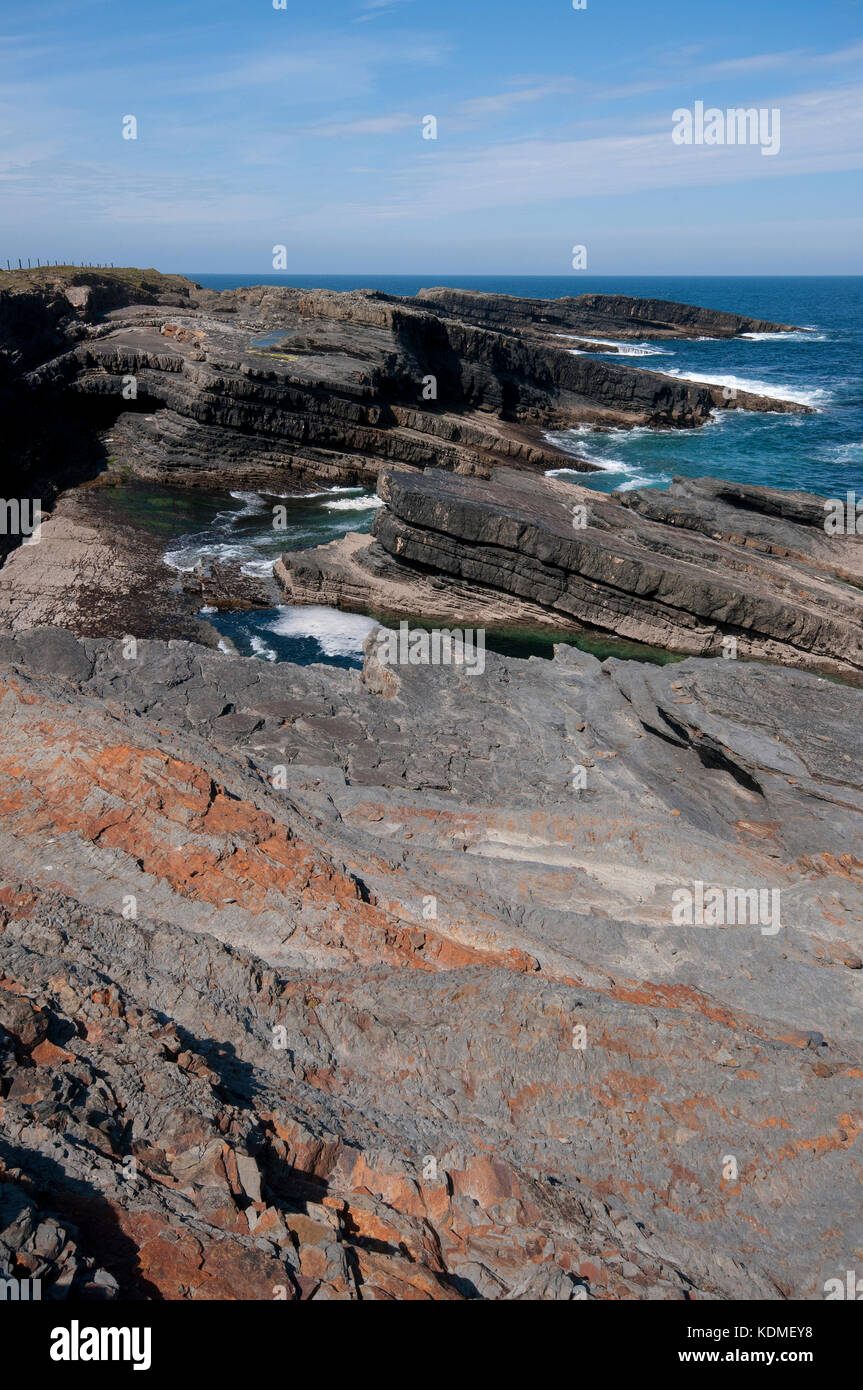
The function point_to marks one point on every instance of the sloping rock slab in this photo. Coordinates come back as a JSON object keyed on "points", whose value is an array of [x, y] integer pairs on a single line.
{"points": [[680, 570]]}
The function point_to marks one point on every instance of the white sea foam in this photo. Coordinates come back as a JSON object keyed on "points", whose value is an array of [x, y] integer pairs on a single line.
{"points": [[633, 477], [324, 492], [261, 649], [851, 452], [186, 558], [337, 634], [258, 569], [643, 481], [354, 504], [608, 465], [586, 431], [800, 335], [206, 610], [183, 560], [799, 394], [577, 441], [624, 348], [253, 503]]}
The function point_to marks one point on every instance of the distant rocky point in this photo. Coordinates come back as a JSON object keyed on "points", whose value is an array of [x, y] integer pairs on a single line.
{"points": [[609, 315], [249, 384]]}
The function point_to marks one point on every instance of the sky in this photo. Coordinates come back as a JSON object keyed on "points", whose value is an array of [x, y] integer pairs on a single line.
{"points": [[303, 127]]}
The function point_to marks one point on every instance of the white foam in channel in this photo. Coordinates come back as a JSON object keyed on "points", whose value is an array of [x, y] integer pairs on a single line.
{"points": [[258, 569], [253, 503], [260, 649], [354, 504], [336, 633], [324, 492]]}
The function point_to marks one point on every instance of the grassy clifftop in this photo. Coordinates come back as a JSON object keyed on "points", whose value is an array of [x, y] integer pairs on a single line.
{"points": [[136, 282]]}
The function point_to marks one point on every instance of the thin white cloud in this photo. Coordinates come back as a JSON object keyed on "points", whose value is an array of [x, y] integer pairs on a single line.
{"points": [[758, 62], [374, 9], [367, 125], [842, 55], [343, 66], [503, 101], [819, 134], [789, 58]]}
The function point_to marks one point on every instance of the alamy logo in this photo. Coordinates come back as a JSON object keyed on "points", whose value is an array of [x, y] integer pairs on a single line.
{"points": [[21, 518], [703, 906], [844, 517], [848, 1288], [77, 1343], [738, 125], [20, 1290], [440, 647]]}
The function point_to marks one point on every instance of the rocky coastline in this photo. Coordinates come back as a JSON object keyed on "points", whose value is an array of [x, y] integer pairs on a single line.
{"points": [[689, 569], [372, 985], [195, 385], [116, 375]]}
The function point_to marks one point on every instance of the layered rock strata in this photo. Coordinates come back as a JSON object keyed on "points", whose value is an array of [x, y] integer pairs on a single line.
{"points": [[327, 984], [681, 569], [186, 385], [604, 315]]}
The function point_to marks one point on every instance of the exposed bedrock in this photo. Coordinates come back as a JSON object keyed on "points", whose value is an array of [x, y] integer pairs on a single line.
{"points": [[250, 384], [605, 315], [681, 569], [42, 311], [355, 573], [312, 947]]}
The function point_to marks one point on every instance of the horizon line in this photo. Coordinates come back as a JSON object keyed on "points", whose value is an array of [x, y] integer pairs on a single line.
{"points": [[537, 275]]}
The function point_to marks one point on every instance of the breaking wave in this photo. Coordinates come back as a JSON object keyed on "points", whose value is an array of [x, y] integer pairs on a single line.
{"points": [[354, 504], [262, 650], [622, 348], [813, 396], [582, 440], [799, 335], [336, 633]]}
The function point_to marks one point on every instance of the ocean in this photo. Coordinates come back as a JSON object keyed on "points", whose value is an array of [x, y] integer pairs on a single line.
{"points": [[820, 453]]}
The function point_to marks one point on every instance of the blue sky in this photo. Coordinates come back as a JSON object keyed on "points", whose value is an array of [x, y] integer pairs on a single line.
{"points": [[303, 127]]}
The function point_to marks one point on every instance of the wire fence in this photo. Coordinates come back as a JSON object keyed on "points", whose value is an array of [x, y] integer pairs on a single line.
{"points": [[49, 265]]}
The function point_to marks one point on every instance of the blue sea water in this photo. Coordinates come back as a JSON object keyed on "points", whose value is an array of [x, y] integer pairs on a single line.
{"points": [[821, 366]]}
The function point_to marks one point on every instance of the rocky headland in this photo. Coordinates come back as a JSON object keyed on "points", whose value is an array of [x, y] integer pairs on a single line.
{"points": [[368, 984], [254, 383], [129, 374], [617, 316]]}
